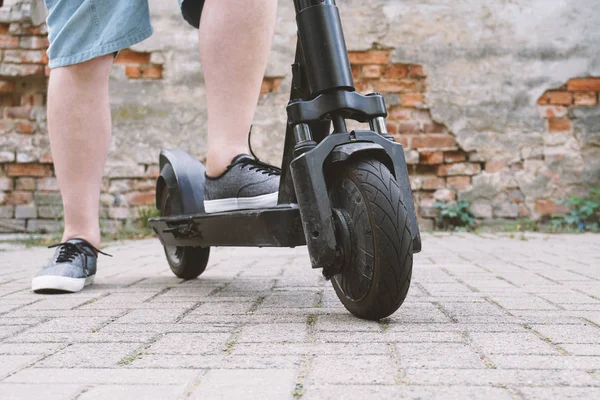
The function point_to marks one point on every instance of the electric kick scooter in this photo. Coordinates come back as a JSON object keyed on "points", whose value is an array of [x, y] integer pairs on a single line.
{"points": [[345, 195]]}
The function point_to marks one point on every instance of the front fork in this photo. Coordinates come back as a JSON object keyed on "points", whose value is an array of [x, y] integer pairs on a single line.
{"points": [[323, 93]]}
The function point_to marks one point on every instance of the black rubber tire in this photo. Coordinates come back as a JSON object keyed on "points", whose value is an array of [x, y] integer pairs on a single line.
{"points": [[365, 192], [185, 262]]}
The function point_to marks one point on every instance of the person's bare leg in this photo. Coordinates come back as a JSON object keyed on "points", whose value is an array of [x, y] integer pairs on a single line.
{"points": [[79, 128], [235, 39]]}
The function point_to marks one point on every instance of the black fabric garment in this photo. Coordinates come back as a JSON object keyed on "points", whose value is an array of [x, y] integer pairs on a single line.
{"points": [[191, 10]]}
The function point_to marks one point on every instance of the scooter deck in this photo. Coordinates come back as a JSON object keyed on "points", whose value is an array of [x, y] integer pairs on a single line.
{"points": [[271, 227]]}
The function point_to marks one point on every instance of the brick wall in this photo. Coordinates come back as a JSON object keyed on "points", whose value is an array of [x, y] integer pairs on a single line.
{"points": [[524, 184], [441, 170], [28, 191], [29, 194]]}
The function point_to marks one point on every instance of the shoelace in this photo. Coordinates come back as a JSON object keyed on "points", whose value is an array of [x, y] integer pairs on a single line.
{"points": [[256, 164], [69, 251], [259, 166]]}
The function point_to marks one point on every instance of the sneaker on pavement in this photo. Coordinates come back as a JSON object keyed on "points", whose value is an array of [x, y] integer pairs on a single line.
{"points": [[72, 267], [246, 183]]}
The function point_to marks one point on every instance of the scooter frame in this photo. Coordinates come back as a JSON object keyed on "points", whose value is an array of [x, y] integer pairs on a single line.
{"points": [[322, 93]]}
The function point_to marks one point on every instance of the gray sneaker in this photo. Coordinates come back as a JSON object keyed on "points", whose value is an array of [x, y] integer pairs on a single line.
{"points": [[246, 183], [71, 269]]}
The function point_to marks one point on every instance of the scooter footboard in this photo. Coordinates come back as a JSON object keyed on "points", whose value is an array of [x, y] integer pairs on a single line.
{"points": [[272, 227]]}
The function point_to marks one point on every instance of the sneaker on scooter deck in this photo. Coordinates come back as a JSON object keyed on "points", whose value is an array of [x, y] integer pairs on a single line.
{"points": [[72, 267], [247, 183]]}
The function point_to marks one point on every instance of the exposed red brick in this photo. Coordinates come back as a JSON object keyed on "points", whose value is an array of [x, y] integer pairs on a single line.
{"points": [[355, 71], [19, 197], [416, 71], [549, 207], [458, 169], [412, 99], [141, 198], [454, 156], [408, 127], [544, 99], [397, 71], [9, 42], [458, 183], [34, 42], [434, 127], [392, 127], [33, 30], [371, 71], [585, 98], [553, 111], [403, 140], [495, 166], [130, 57], [46, 158], [432, 141], [270, 84], [152, 71], [4, 28], [401, 86], [369, 57], [276, 83], [578, 84], [143, 185], [153, 171], [33, 99], [266, 86], [133, 71], [559, 124], [436, 157], [6, 100], [523, 211], [422, 169], [362, 86], [561, 98], [25, 127], [28, 170], [433, 183], [399, 113], [7, 86]]}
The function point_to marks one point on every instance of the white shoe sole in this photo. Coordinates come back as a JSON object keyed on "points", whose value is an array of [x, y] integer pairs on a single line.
{"points": [[241, 203], [62, 283]]}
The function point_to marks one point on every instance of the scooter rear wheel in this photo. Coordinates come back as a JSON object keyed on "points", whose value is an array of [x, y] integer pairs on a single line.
{"points": [[185, 262], [374, 239]]}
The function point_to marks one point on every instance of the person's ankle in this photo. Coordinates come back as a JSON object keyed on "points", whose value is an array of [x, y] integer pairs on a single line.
{"points": [[217, 163], [93, 239]]}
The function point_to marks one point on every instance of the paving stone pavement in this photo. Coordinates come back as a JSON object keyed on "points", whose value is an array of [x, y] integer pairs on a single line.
{"points": [[487, 316]]}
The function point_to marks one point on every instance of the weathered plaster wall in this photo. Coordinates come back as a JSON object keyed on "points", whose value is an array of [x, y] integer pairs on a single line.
{"points": [[487, 64], [466, 82]]}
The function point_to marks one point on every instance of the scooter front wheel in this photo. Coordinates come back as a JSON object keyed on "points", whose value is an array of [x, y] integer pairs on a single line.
{"points": [[374, 238], [186, 262]]}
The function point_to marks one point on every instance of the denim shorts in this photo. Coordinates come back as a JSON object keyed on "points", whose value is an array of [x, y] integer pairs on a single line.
{"points": [[79, 30]]}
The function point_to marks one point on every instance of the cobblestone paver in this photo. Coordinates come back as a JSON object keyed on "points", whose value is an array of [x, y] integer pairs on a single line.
{"points": [[487, 316]]}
